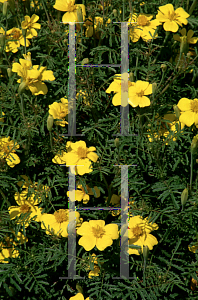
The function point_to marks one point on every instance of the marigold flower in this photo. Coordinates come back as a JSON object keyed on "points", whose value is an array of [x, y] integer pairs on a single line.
{"points": [[98, 22], [189, 36], [96, 233], [80, 194], [30, 24], [7, 250], [79, 155], [189, 111], [58, 222], [139, 234], [32, 76], [59, 111], [14, 39], [71, 10], [172, 18], [115, 86], [142, 26], [138, 92], [26, 209], [168, 128], [96, 270], [7, 151], [78, 296]]}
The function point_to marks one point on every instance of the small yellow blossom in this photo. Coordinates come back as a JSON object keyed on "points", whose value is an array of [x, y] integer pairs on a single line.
{"points": [[139, 234], [142, 26], [30, 24], [59, 111], [172, 18], [80, 194], [7, 151], [14, 39], [189, 111], [96, 233]]}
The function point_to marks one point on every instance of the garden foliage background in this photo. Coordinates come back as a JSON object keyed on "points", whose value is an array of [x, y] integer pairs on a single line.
{"points": [[160, 149]]}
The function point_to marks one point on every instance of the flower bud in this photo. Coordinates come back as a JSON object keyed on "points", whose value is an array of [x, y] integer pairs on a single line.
{"points": [[9, 71], [22, 87], [145, 252], [2, 40], [131, 77], [79, 288], [115, 13], [184, 197], [154, 87], [85, 61], [50, 121], [24, 32], [163, 67], [116, 142], [194, 144], [176, 110], [79, 14], [5, 6], [184, 45]]}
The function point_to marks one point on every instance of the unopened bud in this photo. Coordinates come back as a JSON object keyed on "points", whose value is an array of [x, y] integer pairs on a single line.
{"points": [[5, 7], [79, 288], [163, 67], [50, 122], [154, 87], [2, 40], [85, 61], [9, 71], [194, 144], [145, 252], [176, 110], [115, 13], [79, 14], [131, 77], [24, 32], [184, 197], [22, 87], [116, 142], [184, 45]]}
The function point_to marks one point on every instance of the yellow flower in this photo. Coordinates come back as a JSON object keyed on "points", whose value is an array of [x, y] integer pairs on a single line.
{"points": [[26, 209], [58, 222], [32, 76], [71, 10], [80, 194], [96, 233], [7, 151], [193, 248], [79, 155], [30, 24], [59, 111], [139, 234], [78, 296], [189, 111], [166, 128], [36, 190], [115, 86], [171, 18], [189, 36], [138, 92], [96, 269], [2, 119], [14, 39], [143, 25], [98, 22]]}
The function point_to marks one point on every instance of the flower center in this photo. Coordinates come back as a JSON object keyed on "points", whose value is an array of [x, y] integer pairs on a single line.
{"points": [[15, 34], [98, 231], [25, 208], [194, 105], [141, 93], [172, 16], [60, 216], [137, 231], [82, 153], [142, 21]]}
